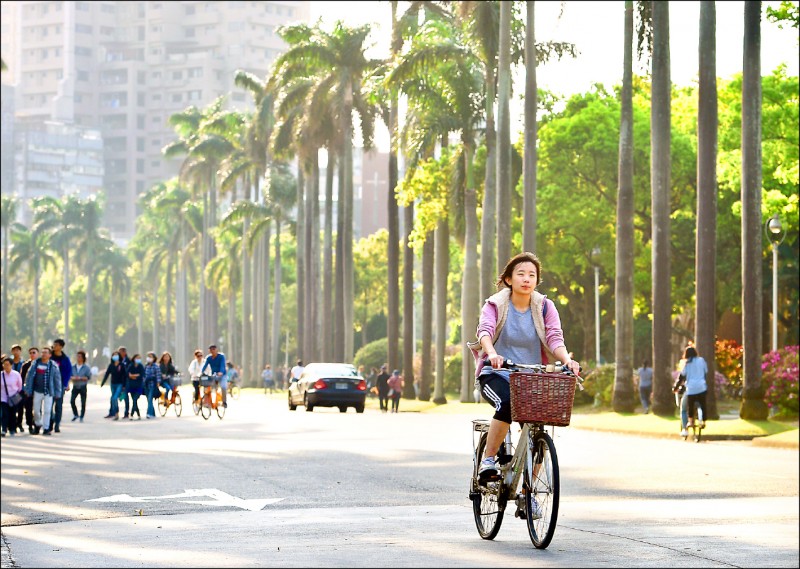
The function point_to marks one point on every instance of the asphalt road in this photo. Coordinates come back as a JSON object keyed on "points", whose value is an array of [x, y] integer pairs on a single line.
{"points": [[270, 487]]}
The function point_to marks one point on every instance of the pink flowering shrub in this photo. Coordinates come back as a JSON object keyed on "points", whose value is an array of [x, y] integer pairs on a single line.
{"points": [[779, 372]]}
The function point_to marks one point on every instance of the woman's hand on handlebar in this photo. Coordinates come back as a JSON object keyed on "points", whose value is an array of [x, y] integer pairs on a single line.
{"points": [[574, 367], [496, 360]]}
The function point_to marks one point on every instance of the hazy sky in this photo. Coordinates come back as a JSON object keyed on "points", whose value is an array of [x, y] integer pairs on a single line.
{"points": [[596, 28]]}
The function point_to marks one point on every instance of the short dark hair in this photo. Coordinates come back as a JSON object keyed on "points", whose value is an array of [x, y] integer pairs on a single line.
{"points": [[212, 347], [690, 353], [16, 346], [60, 342], [81, 353]]}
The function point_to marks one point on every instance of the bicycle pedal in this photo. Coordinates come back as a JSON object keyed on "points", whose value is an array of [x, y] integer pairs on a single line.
{"points": [[504, 459]]}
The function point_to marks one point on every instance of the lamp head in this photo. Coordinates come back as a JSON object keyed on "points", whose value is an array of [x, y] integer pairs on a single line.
{"points": [[775, 226]]}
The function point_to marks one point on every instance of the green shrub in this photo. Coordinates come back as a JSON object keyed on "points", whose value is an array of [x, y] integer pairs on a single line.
{"points": [[374, 354], [452, 373], [599, 384]]}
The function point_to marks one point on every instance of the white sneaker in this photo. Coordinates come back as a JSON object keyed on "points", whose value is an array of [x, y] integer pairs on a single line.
{"points": [[536, 511], [684, 433], [488, 467]]}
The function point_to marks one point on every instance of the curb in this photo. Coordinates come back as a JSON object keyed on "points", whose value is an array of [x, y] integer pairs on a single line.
{"points": [[755, 440]]}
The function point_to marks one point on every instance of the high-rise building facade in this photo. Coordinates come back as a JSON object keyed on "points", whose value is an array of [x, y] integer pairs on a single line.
{"points": [[125, 67]]}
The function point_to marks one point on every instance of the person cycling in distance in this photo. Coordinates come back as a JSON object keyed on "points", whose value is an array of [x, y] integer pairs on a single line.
{"points": [[214, 365], [519, 324]]}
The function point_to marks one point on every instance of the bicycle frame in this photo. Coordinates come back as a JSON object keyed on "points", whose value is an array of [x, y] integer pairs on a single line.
{"points": [[512, 471]]}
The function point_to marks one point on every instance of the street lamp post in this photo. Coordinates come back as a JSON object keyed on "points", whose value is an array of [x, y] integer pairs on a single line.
{"points": [[775, 234], [596, 262]]}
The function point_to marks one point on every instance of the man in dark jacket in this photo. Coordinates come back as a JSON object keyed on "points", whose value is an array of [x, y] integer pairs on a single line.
{"points": [[383, 387], [27, 402], [65, 367]]}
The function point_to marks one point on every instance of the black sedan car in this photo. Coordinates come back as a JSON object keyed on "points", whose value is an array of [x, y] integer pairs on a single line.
{"points": [[328, 385]]}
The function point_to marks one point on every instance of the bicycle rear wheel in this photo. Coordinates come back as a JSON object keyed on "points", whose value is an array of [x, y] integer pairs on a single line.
{"points": [[235, 391], [488, 499], [698, 423], [162, 406], [541, 485]]}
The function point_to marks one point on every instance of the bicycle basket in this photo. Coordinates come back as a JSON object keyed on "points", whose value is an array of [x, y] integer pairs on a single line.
{"points": [[176, 381], [542, 398], [206, 381]]}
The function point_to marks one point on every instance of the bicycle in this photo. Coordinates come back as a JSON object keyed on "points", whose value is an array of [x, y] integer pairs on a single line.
{"points": [[175, 401], [233, 388], [696, 420], [206, 403], [528, 474]]}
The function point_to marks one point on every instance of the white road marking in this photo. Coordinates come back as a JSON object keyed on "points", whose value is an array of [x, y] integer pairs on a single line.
{"points": [[219, 498]]}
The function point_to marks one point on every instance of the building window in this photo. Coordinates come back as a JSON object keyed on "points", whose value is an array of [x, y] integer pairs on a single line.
{"points": [[194, 95], [177, 75], [140, 99], [176, 97], [139, 166], [195, 72], [139, 144], [156, 96], [82, 29], [82, 6], [80, 50], [156, 75], [189, 32], [140, 122], [83, 75], [156, 120], [189, 10], [235, 26]]}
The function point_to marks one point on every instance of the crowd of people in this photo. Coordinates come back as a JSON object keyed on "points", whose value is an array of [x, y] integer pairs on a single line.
{"points": [[32, 391]]}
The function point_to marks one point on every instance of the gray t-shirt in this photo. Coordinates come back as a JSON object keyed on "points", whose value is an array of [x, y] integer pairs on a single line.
{"points": [[518, 341], [645, 376]]}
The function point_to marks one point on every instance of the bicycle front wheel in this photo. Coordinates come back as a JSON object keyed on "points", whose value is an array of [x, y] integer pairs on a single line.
{"points": [[235, 391], [220, 408], [488, 499], [541, 486], [205, 408], [178, 404]]}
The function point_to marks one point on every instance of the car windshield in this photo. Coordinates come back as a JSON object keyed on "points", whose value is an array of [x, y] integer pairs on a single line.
{"points": [[340, 370]]}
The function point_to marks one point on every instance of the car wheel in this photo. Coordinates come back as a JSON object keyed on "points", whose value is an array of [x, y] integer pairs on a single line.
{"points": [[292, 407], [360, 408], [306, 404], [342, 409]]}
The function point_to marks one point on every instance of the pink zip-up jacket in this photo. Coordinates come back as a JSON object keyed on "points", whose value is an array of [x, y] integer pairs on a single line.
{"points": [[493, 318]]}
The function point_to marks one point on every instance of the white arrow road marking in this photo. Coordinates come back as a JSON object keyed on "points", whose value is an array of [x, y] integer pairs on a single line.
{"points": [[219, 498]]}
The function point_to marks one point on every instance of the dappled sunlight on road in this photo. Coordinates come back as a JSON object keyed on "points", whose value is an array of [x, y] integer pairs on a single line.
{"points": [[16, 484]]}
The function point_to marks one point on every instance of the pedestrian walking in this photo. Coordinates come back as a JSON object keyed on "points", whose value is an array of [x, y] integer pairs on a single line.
{"points": [[152, 377], [135, 384], [383, 388], [645, 374], [65, 367], [81, 375], [10, 396], [27, 400], [43, 384], [266, 375], [396, 384], [118, 372]]}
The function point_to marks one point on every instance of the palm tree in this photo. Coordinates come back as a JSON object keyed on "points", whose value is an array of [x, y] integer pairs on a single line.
{"points": [[32, 249], [753, 406], [114, 273], [706, 252], [504, 137], [623, 399], [660, 181], [61, 218], [8, 217], [337, 60]]}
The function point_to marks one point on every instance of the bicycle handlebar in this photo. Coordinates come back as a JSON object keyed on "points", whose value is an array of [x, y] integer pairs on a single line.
{"points": [[539, 368]]}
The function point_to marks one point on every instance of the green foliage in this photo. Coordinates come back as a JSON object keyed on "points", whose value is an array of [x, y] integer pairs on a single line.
{"points": [[374, 354], [728, 357], [599, 384], [780, 380], [371, 284], [452, 373]]}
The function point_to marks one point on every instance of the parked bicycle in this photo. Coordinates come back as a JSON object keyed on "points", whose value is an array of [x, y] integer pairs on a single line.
{"points": [[211, 398], [174, 400], [528, 473]]}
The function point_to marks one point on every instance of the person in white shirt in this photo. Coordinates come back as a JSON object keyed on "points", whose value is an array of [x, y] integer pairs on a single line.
{"points": [[297, 370], [195, 371]]}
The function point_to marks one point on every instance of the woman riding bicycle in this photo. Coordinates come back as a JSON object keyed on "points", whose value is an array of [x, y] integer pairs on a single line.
{"points": [[694, 371], [168, 372], [522, 325]]}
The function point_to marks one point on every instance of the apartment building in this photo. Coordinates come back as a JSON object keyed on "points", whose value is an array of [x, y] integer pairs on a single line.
{"points": [[124, 67]]}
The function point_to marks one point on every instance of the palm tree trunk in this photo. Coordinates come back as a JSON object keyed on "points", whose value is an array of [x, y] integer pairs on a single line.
{"points": [[154, 344], [623, 398], [301, 282], [706, 251], [753, 406], [36, 278], [247, 327], [231, 346], [442, 261], [181, 316], [311, 261], [4, 318], [65, 291], [660, 120], [168, 307], [140, 326], [469, 286], [110, 343], [409, 349], [338, 322], [276, 300], [203, 339], [393, 218], [347, 256], [213, 301], [315, 277], [489, 218], [503, 139], [531, 155], [263, 353], [427, 316], [327, 253]]}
